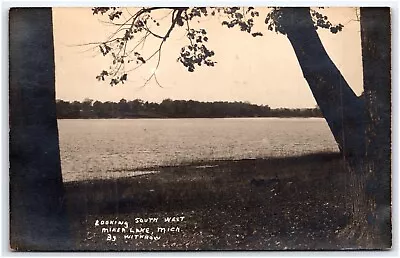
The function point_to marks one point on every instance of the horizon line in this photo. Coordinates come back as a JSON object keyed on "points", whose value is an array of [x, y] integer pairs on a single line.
{"points": [[159, 102]]}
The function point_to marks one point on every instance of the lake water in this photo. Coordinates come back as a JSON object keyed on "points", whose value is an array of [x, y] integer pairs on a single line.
{"points": [[107, 148]]}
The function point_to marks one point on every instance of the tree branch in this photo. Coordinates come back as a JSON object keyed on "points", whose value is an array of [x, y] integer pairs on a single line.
{"points": [[174, 21], [188, 28], [152, 33], [137, 23]]}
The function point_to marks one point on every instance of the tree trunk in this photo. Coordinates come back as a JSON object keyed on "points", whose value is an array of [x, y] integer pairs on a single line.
{"points": [[342, 109], [376, 53], [361, 126], [37, 218]]}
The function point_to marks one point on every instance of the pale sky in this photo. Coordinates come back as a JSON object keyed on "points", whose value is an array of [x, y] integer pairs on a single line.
{"points": [[261, 70]]}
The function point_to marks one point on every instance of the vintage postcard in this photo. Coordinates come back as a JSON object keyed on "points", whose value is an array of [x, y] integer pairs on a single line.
{"points": [[200, 128]]}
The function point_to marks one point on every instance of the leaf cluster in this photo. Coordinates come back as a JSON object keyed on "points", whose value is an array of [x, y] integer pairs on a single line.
{"points": [[196, 53], [113, 12], [275, 20], [142, 24], [239, 17], [322, 21]]}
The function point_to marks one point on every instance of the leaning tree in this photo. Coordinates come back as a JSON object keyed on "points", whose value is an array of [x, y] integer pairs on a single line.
{"points": [[360, 125]]}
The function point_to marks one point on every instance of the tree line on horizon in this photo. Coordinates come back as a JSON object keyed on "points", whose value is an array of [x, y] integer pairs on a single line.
{"points": [[168, 108]]}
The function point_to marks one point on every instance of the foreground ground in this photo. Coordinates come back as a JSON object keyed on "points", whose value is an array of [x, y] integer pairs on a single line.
{"points": [[264, 204]]}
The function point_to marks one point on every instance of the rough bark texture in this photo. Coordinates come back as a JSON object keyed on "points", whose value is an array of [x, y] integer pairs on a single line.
{"points": [[361, 126], [37, 218], [376, 53], [342, 109], [369, 178]]}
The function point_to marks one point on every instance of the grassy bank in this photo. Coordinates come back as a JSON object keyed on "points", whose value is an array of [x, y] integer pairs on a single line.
{"points": [[262, 204]]}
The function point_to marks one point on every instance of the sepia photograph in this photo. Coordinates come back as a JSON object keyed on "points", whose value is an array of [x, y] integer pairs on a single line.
{"points": [[200, 128]]}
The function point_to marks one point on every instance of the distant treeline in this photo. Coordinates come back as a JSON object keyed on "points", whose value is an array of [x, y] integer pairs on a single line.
{"points": [[174, 109]]}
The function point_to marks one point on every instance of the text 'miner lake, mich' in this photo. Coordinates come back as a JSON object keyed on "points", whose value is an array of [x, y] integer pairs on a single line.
{"points": [[110, 148]]}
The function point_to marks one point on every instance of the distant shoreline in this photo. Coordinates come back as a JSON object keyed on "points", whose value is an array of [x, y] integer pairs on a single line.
{"points": [[174, 109]]}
